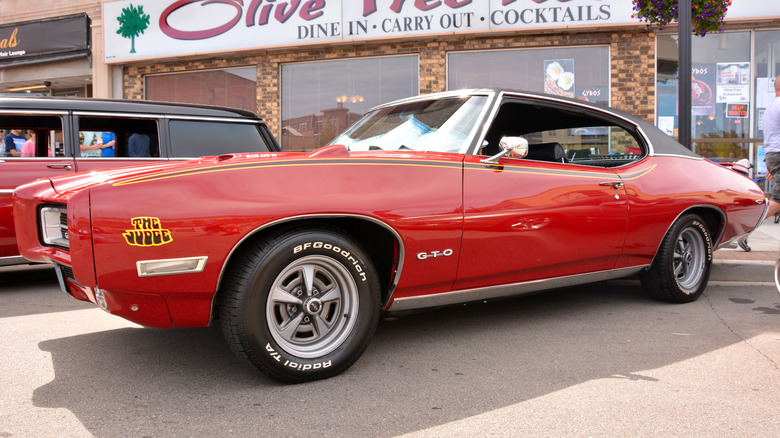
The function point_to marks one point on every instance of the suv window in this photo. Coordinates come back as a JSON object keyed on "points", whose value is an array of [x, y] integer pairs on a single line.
{"points": [[199, 138], [97, 133], [48, 130]]}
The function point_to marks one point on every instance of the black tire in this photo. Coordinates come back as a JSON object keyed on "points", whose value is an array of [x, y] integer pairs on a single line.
{"points": [[302, 305], [681, 269]]}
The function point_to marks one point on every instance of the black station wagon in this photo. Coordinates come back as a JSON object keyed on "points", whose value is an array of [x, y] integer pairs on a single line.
{"points": [[72, 135]]}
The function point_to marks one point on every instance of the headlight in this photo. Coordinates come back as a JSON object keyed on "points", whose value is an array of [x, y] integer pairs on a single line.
{"points": [[54, 226]]}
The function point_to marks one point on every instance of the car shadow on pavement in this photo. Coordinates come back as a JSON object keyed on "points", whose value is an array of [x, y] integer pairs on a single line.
{"points": [[33, 290], [419, 371]]}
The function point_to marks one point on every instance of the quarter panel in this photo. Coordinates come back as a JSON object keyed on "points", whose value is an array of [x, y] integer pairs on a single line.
{"points": [[207, 211], [676, 184]]}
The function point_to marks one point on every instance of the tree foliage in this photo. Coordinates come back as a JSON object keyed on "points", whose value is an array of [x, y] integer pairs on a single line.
{"points": [[706, 15]]}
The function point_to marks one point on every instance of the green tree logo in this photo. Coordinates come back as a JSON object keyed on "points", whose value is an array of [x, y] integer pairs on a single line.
{"points": [[132, 23]]}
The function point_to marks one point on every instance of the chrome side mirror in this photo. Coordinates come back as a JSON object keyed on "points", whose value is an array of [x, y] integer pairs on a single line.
{"points": [[514, 147]]}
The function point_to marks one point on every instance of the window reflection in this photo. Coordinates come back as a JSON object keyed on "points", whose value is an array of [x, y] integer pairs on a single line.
{"points": [[322, 99], [442, 125], [581, 72], [233, 87]]}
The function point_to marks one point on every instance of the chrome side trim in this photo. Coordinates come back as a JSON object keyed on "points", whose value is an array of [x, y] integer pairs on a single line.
{"points": [[215, 119], [82, 113], [23, 111], [14, 260], [184, 265], [6, 191], [509, 290]]}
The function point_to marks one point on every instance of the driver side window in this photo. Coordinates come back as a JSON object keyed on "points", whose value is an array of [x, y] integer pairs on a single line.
{"points": [[558, 135]]}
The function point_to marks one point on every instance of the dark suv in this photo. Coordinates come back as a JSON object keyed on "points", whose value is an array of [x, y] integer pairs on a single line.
{"points": [[73, 135]]}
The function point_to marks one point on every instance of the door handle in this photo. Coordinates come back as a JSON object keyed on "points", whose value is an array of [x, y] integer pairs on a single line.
{"points": [[615, 184], [60, 166]]}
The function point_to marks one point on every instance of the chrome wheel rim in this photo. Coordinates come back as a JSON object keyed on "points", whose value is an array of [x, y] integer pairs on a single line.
{"points": [[690, 257], [312, 306]]}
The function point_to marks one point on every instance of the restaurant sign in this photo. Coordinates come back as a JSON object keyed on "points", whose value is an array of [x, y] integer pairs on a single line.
{"points": [[143, 29], [39, 41]]}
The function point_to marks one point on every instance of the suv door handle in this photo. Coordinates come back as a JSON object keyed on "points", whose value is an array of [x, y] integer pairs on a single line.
{"points": [[615, 184], [60, 166]]}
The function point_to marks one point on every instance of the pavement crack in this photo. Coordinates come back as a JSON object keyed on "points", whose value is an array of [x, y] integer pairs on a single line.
{"points": [[737, 335]]}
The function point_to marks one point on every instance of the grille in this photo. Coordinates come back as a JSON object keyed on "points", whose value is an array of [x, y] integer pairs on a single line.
{"points": [[64, 225], [68, 272]]}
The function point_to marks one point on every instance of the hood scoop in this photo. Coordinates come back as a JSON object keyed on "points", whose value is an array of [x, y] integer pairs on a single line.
{"points": [[336, 150]]}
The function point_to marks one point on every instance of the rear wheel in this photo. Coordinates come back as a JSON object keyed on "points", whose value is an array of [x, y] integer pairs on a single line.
{"points": [[681, 269], [302, 305]]}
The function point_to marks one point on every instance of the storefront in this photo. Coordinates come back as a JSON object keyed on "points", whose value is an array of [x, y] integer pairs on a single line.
{"points": [[311, 67], [733, 77], [46, 57]]}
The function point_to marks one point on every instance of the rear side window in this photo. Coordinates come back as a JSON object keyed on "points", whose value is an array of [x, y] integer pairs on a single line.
{"points": [[200, 138], [44, 133], [118, 137]]}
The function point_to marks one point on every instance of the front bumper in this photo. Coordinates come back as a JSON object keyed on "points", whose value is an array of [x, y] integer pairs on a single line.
{"points": [[145, 309]]}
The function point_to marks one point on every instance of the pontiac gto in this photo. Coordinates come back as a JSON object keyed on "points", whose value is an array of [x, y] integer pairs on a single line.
{"points": [[424, 202]]}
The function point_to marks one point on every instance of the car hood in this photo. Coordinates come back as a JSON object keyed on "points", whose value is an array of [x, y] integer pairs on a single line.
{"points": [[75, 182]]}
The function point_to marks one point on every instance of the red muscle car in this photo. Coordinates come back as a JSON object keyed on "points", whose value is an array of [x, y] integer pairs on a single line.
{"points": [[429, 201]]}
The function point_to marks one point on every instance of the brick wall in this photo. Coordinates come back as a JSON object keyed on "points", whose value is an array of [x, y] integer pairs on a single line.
{"points": [[632, 73]]}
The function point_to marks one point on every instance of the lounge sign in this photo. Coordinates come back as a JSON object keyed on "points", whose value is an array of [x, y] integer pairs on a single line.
{"points": [[43, 39], [144, 29]]}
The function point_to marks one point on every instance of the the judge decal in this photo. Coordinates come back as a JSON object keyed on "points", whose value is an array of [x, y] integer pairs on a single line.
{"points": [[147, 231]]}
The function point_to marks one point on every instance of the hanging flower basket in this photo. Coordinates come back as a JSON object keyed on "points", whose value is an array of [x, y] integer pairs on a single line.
{"points": [[706, 15]]}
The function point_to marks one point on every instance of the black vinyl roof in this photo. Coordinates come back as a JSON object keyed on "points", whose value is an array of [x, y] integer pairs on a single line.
{"points": [[121, 106]]}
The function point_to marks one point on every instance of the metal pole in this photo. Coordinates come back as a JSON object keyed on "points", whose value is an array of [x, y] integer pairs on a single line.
{"points": [[684, 72]]}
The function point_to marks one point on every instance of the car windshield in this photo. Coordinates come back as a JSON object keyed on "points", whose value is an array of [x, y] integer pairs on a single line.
{"points": [[442, 125]]}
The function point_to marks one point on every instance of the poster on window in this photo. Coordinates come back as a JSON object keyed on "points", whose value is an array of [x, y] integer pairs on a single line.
{"points": [[733, 82], [765, 92], [559, 77], [702, 90], [666, 124]]}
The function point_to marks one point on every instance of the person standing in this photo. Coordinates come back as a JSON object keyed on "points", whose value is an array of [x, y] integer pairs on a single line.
{"points": [[772, 148], [13, 143], [108, 148], [28, 148]]}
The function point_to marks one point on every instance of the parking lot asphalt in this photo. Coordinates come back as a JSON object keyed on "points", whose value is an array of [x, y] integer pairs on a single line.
{"points": [[597, 360]]}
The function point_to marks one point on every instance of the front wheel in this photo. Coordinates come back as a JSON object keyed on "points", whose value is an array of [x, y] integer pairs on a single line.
{"points": [[301, 305], [681, 269]]}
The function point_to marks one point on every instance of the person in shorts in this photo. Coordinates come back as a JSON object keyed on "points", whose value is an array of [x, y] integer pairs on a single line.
{"points": [[772, 148]]}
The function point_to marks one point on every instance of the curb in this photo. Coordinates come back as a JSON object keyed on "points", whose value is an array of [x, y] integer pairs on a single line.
{"points": [[748, 271]]}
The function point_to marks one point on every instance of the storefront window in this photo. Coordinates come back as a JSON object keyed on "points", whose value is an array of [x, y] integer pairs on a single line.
{"points": [[720, 93], [767, 62], [581, 72], [235, 87], [322, 99]]}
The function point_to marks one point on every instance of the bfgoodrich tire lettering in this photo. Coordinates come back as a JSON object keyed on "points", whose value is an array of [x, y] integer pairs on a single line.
{"points": [[681, 269], [302, 305]]}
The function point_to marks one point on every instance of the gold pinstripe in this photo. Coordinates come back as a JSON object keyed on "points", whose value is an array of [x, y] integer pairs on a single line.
{"points": [[383, 162]]}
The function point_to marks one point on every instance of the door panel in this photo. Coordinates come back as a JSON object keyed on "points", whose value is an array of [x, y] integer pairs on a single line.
{"points": [[528, 220]]}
